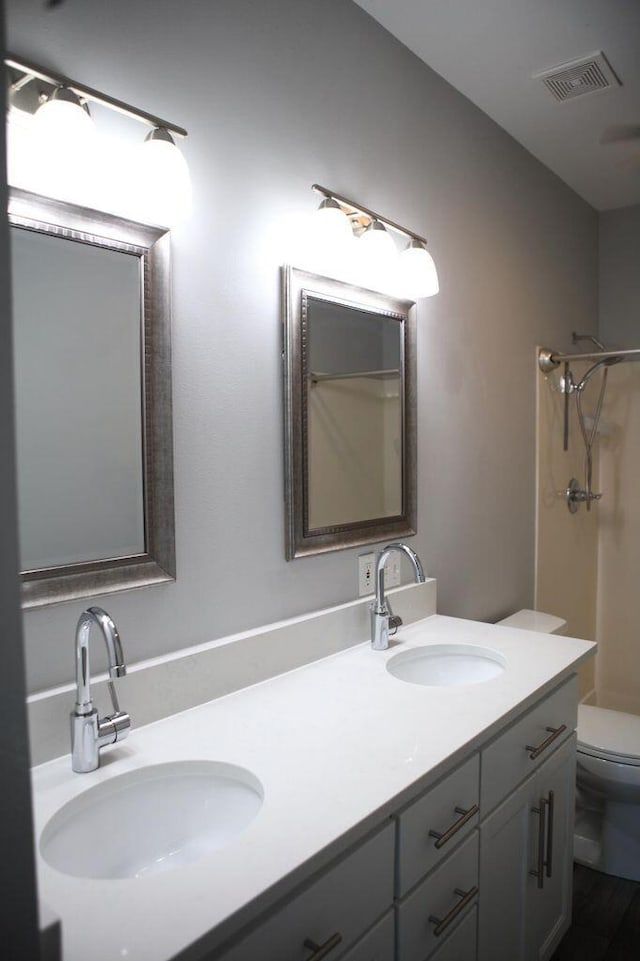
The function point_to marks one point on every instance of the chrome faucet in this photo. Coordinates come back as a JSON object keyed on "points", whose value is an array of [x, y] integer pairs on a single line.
{"points": [[382, 617], [89, 732]]}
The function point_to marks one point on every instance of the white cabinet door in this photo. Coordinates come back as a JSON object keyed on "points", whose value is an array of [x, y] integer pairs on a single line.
{"points": [[504, 880], [550, 905], [526, 865]]}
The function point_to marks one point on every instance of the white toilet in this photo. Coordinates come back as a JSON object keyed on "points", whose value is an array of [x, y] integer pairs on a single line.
{"points": [[607, 829]]}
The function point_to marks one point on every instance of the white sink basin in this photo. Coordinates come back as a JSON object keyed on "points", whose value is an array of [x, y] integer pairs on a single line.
{"points": [[151, 820], [444, 665]]}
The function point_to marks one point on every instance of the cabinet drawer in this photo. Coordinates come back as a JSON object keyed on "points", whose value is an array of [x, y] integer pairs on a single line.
{"points": [[345, 901], [377, 945], [462, 944], [510, 758], [446, 810], [438, 898]]}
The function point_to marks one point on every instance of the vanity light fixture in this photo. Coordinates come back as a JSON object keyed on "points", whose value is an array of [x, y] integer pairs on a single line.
{"points": [[416, 270], [60, 112]]}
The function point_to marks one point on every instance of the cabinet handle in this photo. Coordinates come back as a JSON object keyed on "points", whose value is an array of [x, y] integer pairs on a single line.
{"points": [[539, 871], [442, 838], [442, 923], [322, 950], [549, 862], [555, 733]]}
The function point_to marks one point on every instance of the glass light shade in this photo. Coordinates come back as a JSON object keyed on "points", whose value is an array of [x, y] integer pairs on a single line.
{"points": [[329, 239], [63, 121], [378, 257], [418, 276], [160, 180], [62, 146], [330, 223]]}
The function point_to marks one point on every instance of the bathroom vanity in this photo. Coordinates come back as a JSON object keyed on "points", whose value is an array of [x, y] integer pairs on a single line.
{"points": [[474, 867], [399, 820]]}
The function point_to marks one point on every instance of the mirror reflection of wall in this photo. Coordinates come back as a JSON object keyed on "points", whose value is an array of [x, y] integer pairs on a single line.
{"points": [[78, 400], [354, 398]]}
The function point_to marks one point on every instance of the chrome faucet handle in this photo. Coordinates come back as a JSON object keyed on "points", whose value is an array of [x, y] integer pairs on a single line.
{"points": [[114, 727]]}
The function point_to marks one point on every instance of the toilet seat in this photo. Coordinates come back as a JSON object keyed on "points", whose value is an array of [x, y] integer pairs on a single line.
{"points": [[609, 735]]}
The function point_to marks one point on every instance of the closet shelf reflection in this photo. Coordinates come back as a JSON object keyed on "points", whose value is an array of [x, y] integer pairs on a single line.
{"points": [[316, 376]]}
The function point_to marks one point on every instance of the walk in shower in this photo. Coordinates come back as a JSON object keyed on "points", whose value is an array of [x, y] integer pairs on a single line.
{"points": [[588, 560]]}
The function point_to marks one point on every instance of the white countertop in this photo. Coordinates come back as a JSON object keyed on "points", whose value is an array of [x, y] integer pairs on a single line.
{"points": [[336, 744]]}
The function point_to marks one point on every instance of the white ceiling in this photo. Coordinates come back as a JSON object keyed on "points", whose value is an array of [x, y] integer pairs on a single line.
{"points": [[489, 51]]}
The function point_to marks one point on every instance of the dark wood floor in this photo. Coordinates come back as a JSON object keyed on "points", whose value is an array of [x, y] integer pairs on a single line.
{"points": [[606, 919]]}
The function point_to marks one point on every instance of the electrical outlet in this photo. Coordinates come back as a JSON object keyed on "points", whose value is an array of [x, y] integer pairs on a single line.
{"points": [[366, 574], [392, 570]]}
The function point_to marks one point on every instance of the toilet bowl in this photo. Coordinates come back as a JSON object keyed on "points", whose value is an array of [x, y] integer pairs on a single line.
{"points": [[607, 832], [607, 826]]}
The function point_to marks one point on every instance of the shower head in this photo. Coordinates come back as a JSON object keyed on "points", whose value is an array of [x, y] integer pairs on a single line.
{"points": [[607, 362]]}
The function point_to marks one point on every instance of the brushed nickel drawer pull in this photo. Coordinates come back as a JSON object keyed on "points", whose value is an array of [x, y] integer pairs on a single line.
{"points": [[442, 838], [539, 871], [555, 733], [441, 924], [322, 950], [551, 806]]}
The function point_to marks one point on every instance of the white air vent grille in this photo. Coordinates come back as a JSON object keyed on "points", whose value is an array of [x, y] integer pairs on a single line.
{"points": [[587, 75]]}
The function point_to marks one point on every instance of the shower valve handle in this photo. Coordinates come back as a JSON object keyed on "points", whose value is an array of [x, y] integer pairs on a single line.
{"points": [[575, 495]]}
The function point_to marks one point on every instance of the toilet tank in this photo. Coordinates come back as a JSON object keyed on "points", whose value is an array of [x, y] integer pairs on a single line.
{"points": [[535, 621]]}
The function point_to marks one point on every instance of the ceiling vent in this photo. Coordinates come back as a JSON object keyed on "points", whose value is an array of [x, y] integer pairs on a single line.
{"points": [[579, 77]]}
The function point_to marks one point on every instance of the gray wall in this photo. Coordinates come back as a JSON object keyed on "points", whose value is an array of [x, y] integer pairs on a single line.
{"points": [[18, 916], [620, 277], [277, 95]]}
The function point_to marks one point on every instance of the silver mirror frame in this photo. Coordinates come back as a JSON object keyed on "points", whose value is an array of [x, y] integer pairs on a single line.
{"points": [[296, 285], [152, 245]]}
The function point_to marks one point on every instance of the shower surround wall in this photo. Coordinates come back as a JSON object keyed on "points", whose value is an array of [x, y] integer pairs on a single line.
{"points": [[618, 660], [566, 544], [276, 96]]}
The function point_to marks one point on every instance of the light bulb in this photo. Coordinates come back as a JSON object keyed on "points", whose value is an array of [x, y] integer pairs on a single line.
{"points": [[160, 180], [417, 272]]}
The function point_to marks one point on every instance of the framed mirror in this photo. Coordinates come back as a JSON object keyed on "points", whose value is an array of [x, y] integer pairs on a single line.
{"points": [[92, 361], [350, 415]]}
